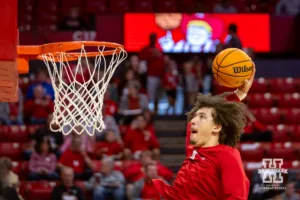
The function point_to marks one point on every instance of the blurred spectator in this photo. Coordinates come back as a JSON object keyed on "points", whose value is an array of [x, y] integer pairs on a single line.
{"points": [[110, 124], [288, 7], [12, 113], [224, 7], [133, 102], [77, 159], [155, 69], [87, 142], [109, 183], [4, 113], [149, 120], [111, 107], [192, 77], [56, 138], [109, 147], [290, 192], [207, 76], [138, 138], [232, 40], [41, 78], [74, 21], [67, 189], [130, 76], [42, 163], [39, 107], [144, 188], [6, 192], [170, 82], [135, 171], [11, 179]]}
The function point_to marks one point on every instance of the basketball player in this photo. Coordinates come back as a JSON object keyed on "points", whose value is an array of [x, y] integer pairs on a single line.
{"points": [[213, 168]]}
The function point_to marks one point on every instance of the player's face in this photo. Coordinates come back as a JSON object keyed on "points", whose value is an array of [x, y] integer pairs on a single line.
{"points": [[204, 131]]}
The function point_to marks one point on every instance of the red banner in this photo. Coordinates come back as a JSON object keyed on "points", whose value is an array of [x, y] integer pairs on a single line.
{"points": [[195, 32]]}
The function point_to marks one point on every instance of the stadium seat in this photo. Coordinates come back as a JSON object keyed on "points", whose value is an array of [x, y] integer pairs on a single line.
{"points": [[269, 116], [13, 133], [95, 6], [259, 85], [280, 133], [288, 100], [39, 190], [12, 150], [295, 133], [288, 153], [291, 164], [292, 116], [143, 5], [251, 152], [119, 6], [167, 6], [283, 85], [260, 100]]}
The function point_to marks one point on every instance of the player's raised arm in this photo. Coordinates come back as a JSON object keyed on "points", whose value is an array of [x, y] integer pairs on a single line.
{"points": [[234, 180]]}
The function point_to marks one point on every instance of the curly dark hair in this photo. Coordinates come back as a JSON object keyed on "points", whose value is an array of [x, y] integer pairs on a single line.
{"points": [[230, 115]]}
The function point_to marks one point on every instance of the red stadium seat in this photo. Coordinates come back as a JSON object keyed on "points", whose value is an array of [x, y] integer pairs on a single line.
{"points": [[119, 6], [143, 5], [285, 152], [167, 6], [269, 116], [11, 150], [251, 152], [259, 85], [295, 133], [260, 100], [292, 116], [39, 190], [288, 100], [280, 133], [14, 133], [293, 164], [283, 85], [96, 6]]}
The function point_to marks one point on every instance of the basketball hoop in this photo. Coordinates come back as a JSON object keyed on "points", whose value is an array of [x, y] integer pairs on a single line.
{"points": [[79, 90]]}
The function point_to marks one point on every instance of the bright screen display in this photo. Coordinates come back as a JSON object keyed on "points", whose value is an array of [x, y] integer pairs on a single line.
{"points": [[195, 33]]}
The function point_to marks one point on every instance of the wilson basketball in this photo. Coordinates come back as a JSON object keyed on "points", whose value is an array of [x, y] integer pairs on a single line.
{"points": [[231, 67]]}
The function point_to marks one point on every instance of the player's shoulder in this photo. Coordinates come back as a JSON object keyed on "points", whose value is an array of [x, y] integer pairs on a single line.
{"points": [[229, 152]]}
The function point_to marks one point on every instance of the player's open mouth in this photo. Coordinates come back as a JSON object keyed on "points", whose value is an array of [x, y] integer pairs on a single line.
{"points": [[193, 131]]}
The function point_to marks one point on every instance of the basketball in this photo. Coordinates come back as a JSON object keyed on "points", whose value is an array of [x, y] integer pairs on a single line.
{"points": [[231, 67]]}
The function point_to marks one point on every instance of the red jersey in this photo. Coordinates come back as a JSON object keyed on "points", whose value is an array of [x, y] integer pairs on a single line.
{"points": [[149, 191], [73, 160], [170, 81], [211, 173], [135, 140]]}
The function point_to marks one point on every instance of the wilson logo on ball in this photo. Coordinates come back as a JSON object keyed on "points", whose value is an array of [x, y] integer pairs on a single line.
{"points": [[242, 69]]}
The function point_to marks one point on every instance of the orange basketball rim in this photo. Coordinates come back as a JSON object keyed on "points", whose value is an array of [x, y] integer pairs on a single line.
{"points": [[9, 71]]}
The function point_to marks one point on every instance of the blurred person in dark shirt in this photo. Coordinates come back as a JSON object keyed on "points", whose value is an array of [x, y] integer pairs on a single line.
{"points": [[67, 189], [232, 40]]}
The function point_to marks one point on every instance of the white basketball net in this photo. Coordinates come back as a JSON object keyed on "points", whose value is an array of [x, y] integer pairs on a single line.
{"points": [[78, 99]]}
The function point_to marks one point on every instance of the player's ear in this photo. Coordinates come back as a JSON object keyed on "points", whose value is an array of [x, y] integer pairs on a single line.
{"points": [[217, 128]]}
